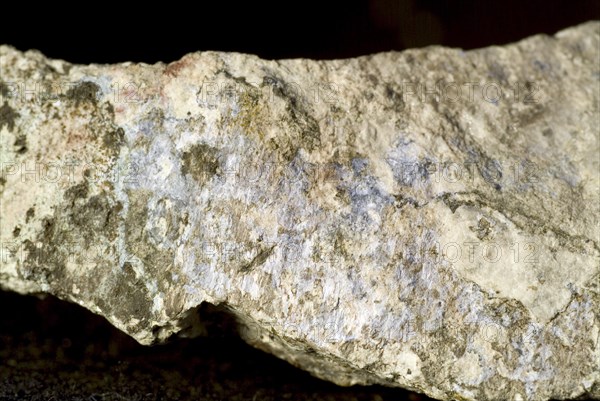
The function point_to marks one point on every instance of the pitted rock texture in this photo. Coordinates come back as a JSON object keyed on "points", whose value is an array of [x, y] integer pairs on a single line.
{"points": [[425, 219]]}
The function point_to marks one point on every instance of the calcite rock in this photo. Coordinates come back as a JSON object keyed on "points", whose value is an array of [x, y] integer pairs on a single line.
{"points": [[425, 219]]}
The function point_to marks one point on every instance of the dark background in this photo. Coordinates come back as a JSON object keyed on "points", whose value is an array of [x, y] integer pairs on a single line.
{"points": [[52, 350], [102, 33]]}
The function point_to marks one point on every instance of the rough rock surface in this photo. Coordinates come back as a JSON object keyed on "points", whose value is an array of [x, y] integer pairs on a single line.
{"points": [[425, 219]]}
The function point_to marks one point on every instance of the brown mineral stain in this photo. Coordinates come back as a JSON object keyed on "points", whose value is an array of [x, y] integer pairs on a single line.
{"points": [[8, 116], [201, 162]]}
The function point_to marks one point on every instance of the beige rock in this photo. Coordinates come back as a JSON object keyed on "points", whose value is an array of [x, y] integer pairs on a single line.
{"points": [[425, 219]]}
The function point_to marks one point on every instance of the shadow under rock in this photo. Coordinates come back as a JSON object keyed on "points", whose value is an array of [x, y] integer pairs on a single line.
{"points": [[52, 350]]}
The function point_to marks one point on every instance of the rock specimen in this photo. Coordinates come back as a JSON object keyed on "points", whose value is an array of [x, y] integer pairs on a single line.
{"points": [[425, 219]]}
